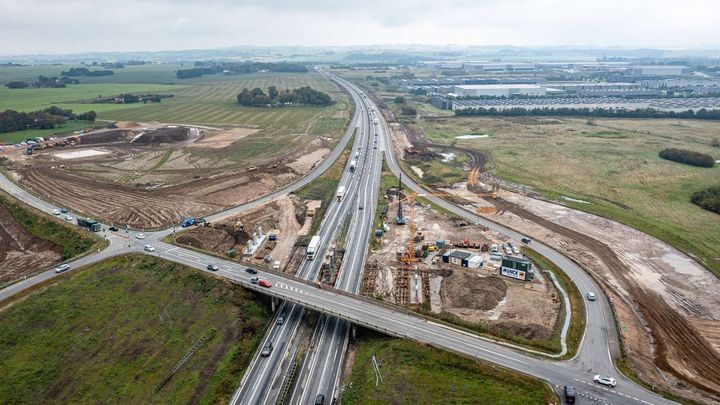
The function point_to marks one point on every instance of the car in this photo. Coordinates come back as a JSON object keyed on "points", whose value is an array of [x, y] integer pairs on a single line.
{"points": [[264, 283], [590, 296], [319, 399], [272, 236], [64, 210], [68, 218], [569, 393], [360, 208], [61, 268], [515, 250], [251, 270], [280, 320], [276, 265], [526, 240], [140, 236], [267, 349], [375, 147], [149, 248], [213, 267], [254, 280], [114, 228], [604, 380], [56, 212]]}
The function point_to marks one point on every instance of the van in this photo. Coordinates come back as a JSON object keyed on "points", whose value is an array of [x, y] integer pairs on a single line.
{"points": [[267, 349], [319, 399], [569, 393]]}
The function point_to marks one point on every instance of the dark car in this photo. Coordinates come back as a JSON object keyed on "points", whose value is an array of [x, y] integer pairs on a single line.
{"points": [[280, 320], [267, 349], [320, 399], [114, 228], [272, 236], [569, 393], [213, 267], [251, 270], [64, 210], [525, 240]]}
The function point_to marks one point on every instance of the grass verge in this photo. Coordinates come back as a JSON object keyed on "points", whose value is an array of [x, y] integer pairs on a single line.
{"points": [[416, 374], [122, 325]]}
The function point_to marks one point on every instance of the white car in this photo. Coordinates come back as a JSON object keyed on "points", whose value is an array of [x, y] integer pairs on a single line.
{"points": [[140, 236], [604, 380], [56, 212], [68, 218], [590, 296], [61, 268], [149, 248], [515, 250]]}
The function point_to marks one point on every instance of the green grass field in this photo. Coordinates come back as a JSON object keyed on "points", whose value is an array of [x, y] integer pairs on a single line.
{"points": [[67, 128], [150, 73], [613, 164], [417, 374], [110, 333]]}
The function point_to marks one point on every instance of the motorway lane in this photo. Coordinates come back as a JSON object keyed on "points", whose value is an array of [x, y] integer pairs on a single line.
{"points": [[264, 378]]}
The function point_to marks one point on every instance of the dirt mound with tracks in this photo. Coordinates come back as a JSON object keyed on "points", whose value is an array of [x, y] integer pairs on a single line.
{"points": [[466, 290], [21, 253], [107, 136], [164, 135]]}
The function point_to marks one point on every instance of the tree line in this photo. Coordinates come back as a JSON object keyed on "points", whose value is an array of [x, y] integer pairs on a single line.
{"points": [[702, 114], [81, 71], [211, 68], [708, 198], [274, 97], [11, 120], [42, 81], [688, 157]]}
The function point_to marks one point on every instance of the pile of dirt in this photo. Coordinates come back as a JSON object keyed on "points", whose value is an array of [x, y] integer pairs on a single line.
{"points": [[217, 239], [21, 253], [463, 289], [164, 135], [531, 331], [117, 135], [127, 124]]}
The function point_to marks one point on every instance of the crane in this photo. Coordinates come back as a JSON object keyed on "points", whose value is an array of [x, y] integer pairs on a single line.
{"points": [[410, 256]]}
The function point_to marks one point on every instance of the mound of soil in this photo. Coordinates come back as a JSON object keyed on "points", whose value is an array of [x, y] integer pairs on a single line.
{"points": [[464, 289], [118, 135], [164, 135], [218, 239], [127, 124], [532, 332]]}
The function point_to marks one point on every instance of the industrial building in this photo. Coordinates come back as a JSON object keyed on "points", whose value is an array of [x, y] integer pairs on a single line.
{"points": [[516, 267], [660, 70], [498, 90], [499, 67]]}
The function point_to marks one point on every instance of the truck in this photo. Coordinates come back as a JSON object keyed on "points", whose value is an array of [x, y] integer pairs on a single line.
{"points": [[312, 247], [89, 224], [353, 164], [340, 193]]}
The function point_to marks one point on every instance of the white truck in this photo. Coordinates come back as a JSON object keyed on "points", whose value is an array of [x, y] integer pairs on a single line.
{"points": [[340, 193], [312, 247], [353, 165]]}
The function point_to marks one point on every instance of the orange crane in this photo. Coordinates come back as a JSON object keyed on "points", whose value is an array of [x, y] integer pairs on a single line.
{"points": [[410, 256]]}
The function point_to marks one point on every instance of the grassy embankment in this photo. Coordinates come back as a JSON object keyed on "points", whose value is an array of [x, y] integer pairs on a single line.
{"points": [[613, 165], [416, 374], [73, 240], [113, 331]]}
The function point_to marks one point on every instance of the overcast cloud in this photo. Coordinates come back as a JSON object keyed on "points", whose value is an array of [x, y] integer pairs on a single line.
{"points": [[43, 26]]}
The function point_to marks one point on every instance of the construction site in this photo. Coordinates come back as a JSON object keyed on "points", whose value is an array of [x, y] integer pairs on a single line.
{"points": [[665, 301], [148, 176], [442, 265]]}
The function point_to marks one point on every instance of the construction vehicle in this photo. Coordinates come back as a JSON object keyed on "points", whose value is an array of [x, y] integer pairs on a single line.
{"points": [[310, 212], [89, 224]]}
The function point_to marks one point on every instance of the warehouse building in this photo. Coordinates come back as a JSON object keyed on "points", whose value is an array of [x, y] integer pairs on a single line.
{"points": [[660, 70], [516, 267], [498, 90]]}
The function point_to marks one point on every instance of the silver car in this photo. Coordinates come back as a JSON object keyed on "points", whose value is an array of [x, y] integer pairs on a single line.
{"points": [[604, 380]]}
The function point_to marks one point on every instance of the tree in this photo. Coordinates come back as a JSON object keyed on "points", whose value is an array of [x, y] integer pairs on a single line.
{"points": [[399, 100], [708, 198], [407, 110], [16, 85], [272, 92]]}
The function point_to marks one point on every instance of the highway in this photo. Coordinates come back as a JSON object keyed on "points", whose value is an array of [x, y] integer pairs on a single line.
{"points": [[598, 348]]}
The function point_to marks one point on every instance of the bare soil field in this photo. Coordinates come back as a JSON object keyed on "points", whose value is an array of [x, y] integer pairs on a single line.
{"points": [[478, 296], [148, 178], [21, 253]]}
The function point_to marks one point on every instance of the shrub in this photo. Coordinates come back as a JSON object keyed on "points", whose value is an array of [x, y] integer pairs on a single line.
{"points": [[688, 157], [708, 198]]}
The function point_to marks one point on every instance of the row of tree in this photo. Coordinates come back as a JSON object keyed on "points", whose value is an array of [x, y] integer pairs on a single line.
{"points": [[230, 68], [708, 198], [689, 157], [11, 120], [81, 71], [42, 81], [274, 97], [702, 114]]}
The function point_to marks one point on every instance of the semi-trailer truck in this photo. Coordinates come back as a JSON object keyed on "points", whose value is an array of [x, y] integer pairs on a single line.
{"points": [[313, 247], [89, 224], [340, 193]]}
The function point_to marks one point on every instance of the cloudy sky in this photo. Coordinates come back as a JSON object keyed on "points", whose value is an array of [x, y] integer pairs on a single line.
{"points": [[52, 26]]}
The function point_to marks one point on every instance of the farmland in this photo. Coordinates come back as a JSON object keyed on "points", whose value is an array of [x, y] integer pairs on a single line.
{"points": [[612, 167], [122, 325]]}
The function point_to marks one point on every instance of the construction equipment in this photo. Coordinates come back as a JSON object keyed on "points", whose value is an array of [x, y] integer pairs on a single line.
{"points": [[410, 256]]}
